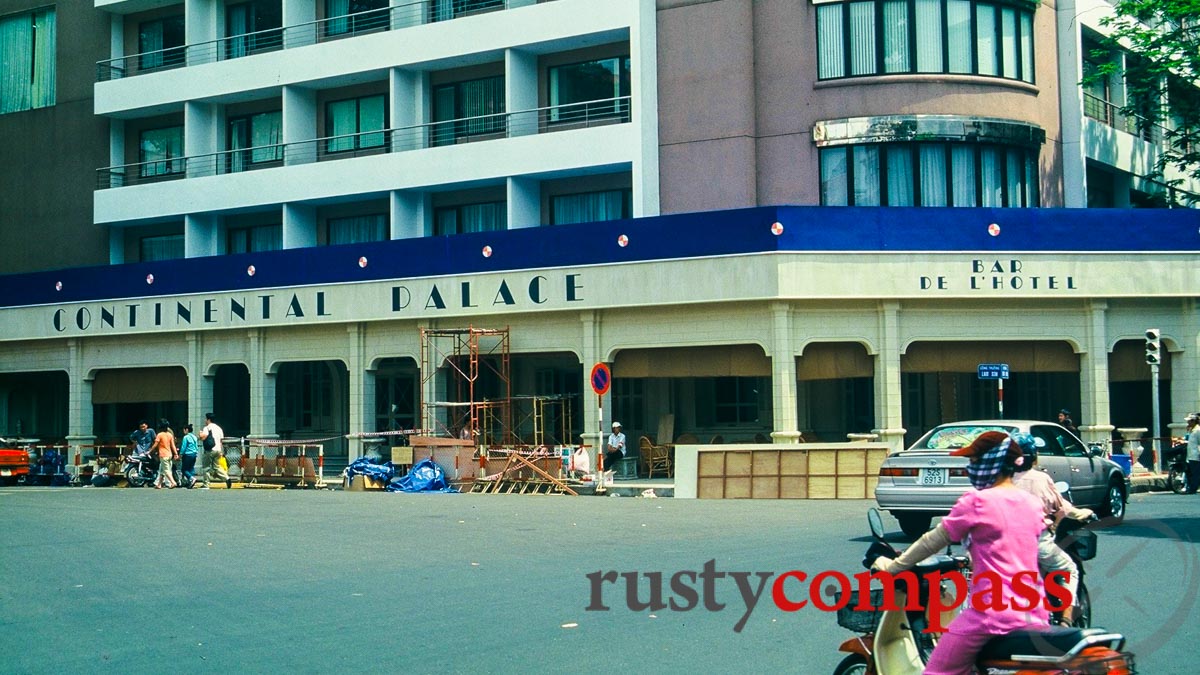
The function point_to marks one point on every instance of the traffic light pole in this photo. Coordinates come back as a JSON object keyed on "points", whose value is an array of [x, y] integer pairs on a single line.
{"points": [[1155, 442], [1154, 358]]}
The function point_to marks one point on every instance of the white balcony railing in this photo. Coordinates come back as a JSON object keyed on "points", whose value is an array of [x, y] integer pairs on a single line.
{"points": [[299, 35], [449, 132]]}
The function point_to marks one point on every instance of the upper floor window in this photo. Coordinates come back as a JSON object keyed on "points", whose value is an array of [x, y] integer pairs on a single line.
{"points": [[485, 217], [358, 229], [469, 108], [348, 123], [582, 91], [929, 174], [443, 10], [879, 37], [254, 239], [258, 136], [589, 207], [161, 43], [160, 151], [355, 16], [253, 27], [165, 247], [27, 60]]}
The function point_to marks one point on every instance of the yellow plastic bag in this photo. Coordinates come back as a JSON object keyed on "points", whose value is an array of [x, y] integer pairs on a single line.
{"points": [[221, 461]]}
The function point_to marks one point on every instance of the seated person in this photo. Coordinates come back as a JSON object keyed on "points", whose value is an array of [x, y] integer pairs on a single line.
{"points": [[615, 449]]}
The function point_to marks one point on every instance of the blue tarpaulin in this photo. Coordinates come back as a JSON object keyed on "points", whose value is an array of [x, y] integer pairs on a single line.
{"points": [[425, 476], [365, 467]]}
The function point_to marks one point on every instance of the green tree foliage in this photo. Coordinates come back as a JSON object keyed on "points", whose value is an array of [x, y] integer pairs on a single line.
{"points": [[1162, 75]]}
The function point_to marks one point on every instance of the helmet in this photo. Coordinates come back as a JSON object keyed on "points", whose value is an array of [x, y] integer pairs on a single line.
{"points": [[1029, 445]]}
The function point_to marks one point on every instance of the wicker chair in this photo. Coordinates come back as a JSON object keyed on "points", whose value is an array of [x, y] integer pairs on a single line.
{"points": [[656, 457]]}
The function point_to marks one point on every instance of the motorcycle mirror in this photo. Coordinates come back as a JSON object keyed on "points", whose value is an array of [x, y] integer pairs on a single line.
{"points": [[1062, 486], [876, 523]]}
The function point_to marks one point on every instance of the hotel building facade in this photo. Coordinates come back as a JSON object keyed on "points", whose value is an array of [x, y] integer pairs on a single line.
{"points": [[287, 191]]}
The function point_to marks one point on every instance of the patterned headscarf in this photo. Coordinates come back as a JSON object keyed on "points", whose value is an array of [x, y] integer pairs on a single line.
{"points": [[984, 469]]}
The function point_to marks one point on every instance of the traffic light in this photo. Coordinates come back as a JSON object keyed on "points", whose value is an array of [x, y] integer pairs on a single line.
{"points": [[1153, 346]]}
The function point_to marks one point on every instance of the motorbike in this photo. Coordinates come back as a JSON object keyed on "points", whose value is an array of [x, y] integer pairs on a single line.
{"points": [[141, 470], [1176, 459], [1073, 537], [894, 642]]}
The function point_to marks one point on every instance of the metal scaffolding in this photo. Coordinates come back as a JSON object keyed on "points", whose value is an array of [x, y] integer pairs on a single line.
{"points": [[470, 357]]}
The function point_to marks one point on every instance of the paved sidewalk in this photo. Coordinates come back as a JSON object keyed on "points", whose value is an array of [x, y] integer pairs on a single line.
{"points": [[1148, 482]]}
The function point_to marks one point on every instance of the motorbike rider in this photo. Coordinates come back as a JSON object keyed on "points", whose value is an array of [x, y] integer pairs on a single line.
{"points": [[1000, 525], [142, 438], [1037, 483]]}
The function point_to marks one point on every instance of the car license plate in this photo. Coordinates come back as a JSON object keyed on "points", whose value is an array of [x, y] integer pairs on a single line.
{"points": [[5, 472], [933, 476]]}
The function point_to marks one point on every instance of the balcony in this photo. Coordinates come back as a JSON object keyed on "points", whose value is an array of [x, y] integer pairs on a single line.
{"points": [[1109, 114], [567, 117], [300, 35]]}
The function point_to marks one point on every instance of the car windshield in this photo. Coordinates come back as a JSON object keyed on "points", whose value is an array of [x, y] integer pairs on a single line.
{"points": [[950, 437]]}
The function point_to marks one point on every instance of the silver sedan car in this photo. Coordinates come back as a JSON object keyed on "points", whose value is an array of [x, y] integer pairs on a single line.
{"points": [[924, 481]]}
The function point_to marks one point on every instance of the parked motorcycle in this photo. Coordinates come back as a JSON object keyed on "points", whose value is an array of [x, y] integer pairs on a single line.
{"points": [[893, 642], [141, 470], [1177, 468]]}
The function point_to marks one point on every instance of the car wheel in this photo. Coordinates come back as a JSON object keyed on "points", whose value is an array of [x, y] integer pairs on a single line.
{"points": [[914, 524], [854, 664], [1113, 507], [1177, 480]]}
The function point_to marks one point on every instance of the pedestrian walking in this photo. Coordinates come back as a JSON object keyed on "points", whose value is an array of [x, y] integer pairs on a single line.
{"points": [[164, 445], [189, 448], [210, 436]]}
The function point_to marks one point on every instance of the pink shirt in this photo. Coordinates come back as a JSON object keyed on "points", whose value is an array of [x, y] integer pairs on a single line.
{"points": [[1000, 527]]}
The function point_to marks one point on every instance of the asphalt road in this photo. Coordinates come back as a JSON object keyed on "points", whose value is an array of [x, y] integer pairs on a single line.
{"points": [[141, 580]]}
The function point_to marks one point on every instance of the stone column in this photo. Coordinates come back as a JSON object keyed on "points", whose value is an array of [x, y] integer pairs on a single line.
{"points": [[80, 414], [1185, 368], [1093, 376], [889, 414], [593, 425], [262, 388], [783, 376], [356, 366]]}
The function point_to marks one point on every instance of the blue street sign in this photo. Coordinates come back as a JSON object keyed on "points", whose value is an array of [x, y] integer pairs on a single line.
{"points": [[993, 371]]}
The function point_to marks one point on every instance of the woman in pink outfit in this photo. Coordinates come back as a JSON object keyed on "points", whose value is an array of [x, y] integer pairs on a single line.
{"points": [[1000, 525]]}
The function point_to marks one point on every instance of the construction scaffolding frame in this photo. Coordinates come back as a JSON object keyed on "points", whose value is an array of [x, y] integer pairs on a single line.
{"points": [[468, 354]]}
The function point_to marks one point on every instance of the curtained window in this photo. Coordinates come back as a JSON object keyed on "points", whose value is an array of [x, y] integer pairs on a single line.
{"points": [[348, 123], [484, 217], [862, 38], [589, 207], [933, 174], [470, 108], [358, 229], [347, 17], [165, 247], [946, 174], [831, 51], [254, 239], [160, 151], [924, 36], [161, 43], [253, 27], [444, 10], [27, 60], [895, 37], [258, 137]]}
